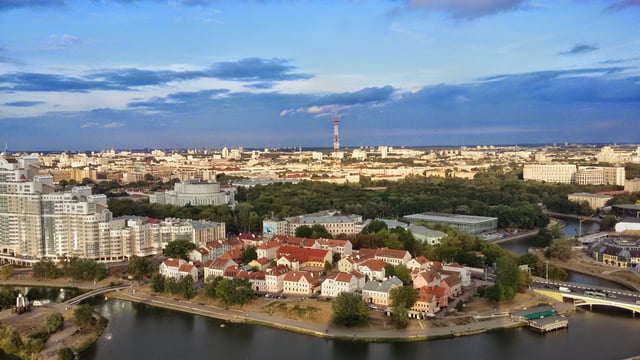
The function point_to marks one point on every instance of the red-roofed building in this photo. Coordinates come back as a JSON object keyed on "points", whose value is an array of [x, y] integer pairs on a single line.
{"points": [[419, 262], [269, 249], [216, 267], [300, 283], [426, 304], [177, 269], [392, 256], [339, 282], [274, 277], [441, 294], [427, 278], [199, 254], [259, 263], [342, 247], [373, 269], [306, 257]]}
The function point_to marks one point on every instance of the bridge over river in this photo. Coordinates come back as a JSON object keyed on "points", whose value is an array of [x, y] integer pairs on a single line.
{"points": [[589, 295], [78, 299]]}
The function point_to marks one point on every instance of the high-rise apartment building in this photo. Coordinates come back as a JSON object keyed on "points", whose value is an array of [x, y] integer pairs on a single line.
{"points": [[37, 222]]}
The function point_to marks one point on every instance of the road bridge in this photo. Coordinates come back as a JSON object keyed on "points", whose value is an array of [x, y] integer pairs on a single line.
{"points": [[589, 295]]}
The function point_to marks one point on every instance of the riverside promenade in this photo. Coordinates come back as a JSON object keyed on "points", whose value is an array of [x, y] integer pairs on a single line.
{"points": [[425, 332]]}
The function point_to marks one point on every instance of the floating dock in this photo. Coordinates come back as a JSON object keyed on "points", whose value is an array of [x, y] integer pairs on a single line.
{"points": [[549, 323]]}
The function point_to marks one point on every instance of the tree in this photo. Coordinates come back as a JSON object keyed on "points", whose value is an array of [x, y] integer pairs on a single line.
{"points": [[45, 269], [374, 226], [157, 283], [179, 249], [507, 279], [608, 222], [403, 273], [234, 291], [210, 286], [328, 266], [402, 299], [560, 249], [54, 322], [304, 231], [139, 266], [186, 287], [249, 254], [66, 354], [83, 316], [349, 309], [6, 271]]}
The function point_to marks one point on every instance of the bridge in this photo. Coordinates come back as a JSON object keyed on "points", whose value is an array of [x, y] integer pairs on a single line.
{"points": [[80, 298], [588, 295]]}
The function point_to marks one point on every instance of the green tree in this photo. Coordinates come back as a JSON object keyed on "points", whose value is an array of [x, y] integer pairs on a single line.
{"points": [[157, 283], [304, 231], [402, 273], [46, 269], [374, 226], [234, 291], [560, 249], [54, 322], [507, 279], [319, 231], [178, 249], [66, 354], [349, 309], [249, 254], [210, 286], [83, 316], [139, 266], [186, 287], [402, 299], [608, 222]]}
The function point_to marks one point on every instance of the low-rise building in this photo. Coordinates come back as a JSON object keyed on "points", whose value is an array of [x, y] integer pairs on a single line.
{"points": [[300, 283], [177, 269], [339, 282], [377, 292]]}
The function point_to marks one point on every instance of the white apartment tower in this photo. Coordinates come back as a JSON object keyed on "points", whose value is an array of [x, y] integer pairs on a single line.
{"points": [[36, 222]]}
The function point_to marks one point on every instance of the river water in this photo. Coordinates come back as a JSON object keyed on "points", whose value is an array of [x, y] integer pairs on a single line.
{"points": [[138, 331]]}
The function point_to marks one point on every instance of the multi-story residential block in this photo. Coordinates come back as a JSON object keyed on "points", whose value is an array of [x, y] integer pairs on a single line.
{"points": [[37, 222], [556, 173]]}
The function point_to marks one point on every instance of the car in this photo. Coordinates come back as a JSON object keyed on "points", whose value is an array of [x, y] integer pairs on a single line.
{"points": [[612, 296]]}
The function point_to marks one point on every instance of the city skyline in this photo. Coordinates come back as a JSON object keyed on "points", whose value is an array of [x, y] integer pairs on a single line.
{"points": [[199, 73]]}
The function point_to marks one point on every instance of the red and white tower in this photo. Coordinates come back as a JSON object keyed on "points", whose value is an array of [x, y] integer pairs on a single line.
{"points": [[336, 136]]}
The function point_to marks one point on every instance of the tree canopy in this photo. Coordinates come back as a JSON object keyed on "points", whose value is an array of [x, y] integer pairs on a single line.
{"points": [[349, 309], [179, 249]]}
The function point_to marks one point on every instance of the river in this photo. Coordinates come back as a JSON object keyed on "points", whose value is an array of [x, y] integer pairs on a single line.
{"points": [[139, 331]]}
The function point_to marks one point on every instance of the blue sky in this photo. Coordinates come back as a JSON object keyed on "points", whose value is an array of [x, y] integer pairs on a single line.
{"points": [[95, 74]]}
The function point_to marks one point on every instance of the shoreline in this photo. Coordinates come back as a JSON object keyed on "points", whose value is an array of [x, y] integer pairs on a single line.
{"points": [[319, 330]]}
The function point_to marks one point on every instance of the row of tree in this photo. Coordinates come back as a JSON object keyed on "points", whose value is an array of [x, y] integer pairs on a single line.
{"points": [[512, 201], [75, 268]]}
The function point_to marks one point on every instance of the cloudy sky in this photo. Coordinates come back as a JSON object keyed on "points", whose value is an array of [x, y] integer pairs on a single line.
{"points": [[96, 74]]}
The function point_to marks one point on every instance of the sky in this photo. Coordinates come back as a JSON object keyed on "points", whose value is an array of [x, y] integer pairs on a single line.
{"points": [[132, 74]]}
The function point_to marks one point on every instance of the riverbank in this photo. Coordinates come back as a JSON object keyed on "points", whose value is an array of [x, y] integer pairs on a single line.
{"points": [[422, 329], [578, 264]]}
